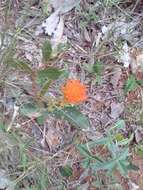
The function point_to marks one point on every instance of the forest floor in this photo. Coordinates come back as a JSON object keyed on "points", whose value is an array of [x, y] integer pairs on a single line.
{"points": [[46, 144]]}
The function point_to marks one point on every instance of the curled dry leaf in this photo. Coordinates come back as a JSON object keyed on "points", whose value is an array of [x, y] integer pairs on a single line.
{"points": [[54, 24], [50, 24], [64, 5], [54, 27], [58, 34], [131, 57], [54, 139]]}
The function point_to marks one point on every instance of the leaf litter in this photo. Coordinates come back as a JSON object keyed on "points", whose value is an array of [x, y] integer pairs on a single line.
{"points": [[103, 106], [54, 24]]}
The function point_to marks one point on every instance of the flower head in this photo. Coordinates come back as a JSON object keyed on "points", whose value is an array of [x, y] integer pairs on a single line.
{"points": [[74, 92]]}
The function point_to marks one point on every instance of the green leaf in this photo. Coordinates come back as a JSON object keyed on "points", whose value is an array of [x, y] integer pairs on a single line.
{"points": [[44, 88], [132, 167], [86, 163], [30, 110], [140, 82], [83, 150], [66, 171], [102, 141], [98, 67], [119, 137], [50, 73], [123, 155], [120, 124], [112, 147], [139, 150], [98, 79], [126, 140], [95, 69], [108, 165], [2, 127], [23, 66], [122, 168], [8, 56], [46, 50], [43, 179], [24, 160], [89, 68], [131, 84], [41, 119], [74, 116]]}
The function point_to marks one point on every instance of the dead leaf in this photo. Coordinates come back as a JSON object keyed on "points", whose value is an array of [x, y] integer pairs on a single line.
{"points": [[58, 33], [116, 109], [86, 35], [77, 170], [54, 27], [139, 136], [98, 38], [50, 24], [124, 55], [140, 59], [131, 57], [133, 186], [104, 29], [136, 59], [53, 139], [116, 76], [120, 28], [138, 132], [64, 5], [137, 176]]}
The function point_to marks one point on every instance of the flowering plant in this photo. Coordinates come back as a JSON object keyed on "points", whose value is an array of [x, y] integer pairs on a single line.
{"points": [[41, 104], [74, 92]]}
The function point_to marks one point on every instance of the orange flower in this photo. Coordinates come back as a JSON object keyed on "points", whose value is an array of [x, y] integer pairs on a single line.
{"points": [[74, 92]]}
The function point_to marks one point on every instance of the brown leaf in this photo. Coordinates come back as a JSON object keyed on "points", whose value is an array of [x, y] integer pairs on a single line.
{"points": [[137, 176], [116, 76], [116, 109], [136, 59], [53, 138], [139, 136]]}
